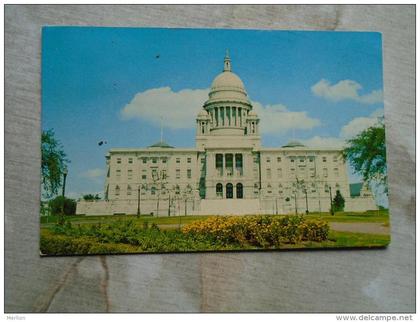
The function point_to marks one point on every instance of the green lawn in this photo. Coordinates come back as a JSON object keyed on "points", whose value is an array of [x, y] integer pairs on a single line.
{"points": [[380, 216]]}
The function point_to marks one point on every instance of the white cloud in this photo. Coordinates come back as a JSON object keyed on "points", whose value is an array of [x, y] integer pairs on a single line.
{"points": [[345, 90], [177, 109], [276, 119], [324, 142], [348, 131], [358, 124], [93, 173]]}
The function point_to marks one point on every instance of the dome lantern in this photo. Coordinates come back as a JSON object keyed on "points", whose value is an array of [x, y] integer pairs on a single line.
{"points": [[226, 66]]}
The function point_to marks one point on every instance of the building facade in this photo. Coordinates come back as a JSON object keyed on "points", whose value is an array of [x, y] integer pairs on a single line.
{"points": [[228, 172]]}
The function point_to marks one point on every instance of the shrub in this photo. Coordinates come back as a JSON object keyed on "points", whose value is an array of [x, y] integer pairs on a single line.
{"points": [[215, 233], [259, 231], [55, 205], [51, 244]]}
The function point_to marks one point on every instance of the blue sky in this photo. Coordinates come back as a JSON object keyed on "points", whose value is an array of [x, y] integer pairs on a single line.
{"points": [[107, 84]]}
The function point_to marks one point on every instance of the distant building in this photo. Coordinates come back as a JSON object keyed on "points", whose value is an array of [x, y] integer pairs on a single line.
{"points": [[228, 172]]}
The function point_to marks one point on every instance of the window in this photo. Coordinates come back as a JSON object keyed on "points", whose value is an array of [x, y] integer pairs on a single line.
{"points": [[301, 160], [153, 190], [164, 160], [336, 172], [325, 172], [117, 190], [229, 191], [130, 174], [130, 160], [292, 160], [128, 190], [119, 160], [178, 160], [335, 159], [189, 173], [143, 177], [154, 160], [279, 173], [178, 174], [188, 160], [219, 163], [268, 173], [118, 172], [326, 188], [144, 160], [177, 191], [203, 160], [278, 159], [312, 172], [239, 191], [219, 190], [311, 159], [229, 164], [268, 159], [324, 159], [238, 161], [154, 173]]}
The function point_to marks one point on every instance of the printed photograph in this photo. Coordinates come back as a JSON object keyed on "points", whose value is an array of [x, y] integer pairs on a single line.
{"points": [[159, 140]]}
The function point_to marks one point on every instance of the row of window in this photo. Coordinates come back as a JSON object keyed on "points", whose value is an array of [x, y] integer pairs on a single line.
{"points": [[155, 174], [301, 159], [153, 190], [301, 169], [153, 160]]}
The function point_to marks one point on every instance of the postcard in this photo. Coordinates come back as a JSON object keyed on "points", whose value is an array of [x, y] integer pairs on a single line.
{"points": [[159, 140]]}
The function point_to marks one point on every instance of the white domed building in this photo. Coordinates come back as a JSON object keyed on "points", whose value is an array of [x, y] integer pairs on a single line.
{"points": [[228, 172]]}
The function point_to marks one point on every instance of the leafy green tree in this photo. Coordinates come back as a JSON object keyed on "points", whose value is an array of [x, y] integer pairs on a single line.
{"points": [[366, 152], [56, 206], [53, 163], [91, 197], [338, 201]]}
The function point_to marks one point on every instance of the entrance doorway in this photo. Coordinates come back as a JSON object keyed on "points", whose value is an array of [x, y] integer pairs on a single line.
{"points": [[229, 191], [239, 191]]}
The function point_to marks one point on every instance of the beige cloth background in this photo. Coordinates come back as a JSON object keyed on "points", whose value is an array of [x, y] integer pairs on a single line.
{"points": [[298, 281]]}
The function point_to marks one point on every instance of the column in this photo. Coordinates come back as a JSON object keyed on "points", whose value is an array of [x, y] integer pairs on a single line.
{"points": [[223, 110], [224, 163], [234, 164]]}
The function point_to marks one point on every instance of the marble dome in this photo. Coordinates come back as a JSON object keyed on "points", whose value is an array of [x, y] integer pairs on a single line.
{"points": [[227, 86]]}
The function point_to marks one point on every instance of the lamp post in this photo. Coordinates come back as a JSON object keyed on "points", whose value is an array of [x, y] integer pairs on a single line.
{"points": [[306, 198], [169, 204], [65, 172], [138, 200], [331, 202]]}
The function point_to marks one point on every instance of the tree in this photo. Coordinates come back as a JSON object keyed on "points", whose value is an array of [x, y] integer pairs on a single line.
{"points": [[366, 152], [91, 197], [338, 201], [56, 205], [53, 162]]}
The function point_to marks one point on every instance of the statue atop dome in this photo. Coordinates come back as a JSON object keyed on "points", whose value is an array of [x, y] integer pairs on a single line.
{"points": [[226, 66]]}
